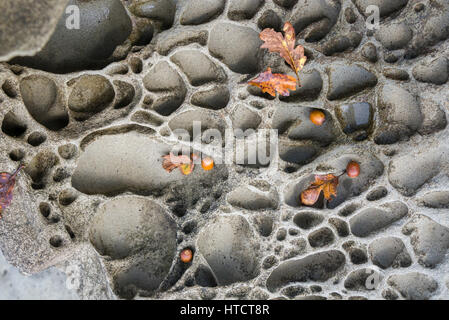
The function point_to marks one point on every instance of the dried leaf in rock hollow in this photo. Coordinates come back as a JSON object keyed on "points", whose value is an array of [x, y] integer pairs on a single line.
{"points": [[272, 83], [326, 183], [7, 182], [285, 46], [184, 163]]}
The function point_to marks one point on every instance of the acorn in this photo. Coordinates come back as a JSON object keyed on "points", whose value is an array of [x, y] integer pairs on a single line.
{"points": [[317, 117], [186, 255], [353, 169]]}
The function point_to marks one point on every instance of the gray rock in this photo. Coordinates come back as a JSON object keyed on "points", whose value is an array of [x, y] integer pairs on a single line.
{"points": [[216, 98], [340, 226], [244, 118], [170, 40], [299, 153], [389, 252], [40, 166], [414, 285], [231, 249], [436, 72], [125, 94], [342, 43], [253, 198], [145, 242], [369, 52], [27, 26], [410, 172], [68, 151], [434, 117], [350, 15], [347, 80], [311, 85], [321, 237], [44, 101], [243, 58], [321, 15], [12, 125], [36, 138], [166, 81], [136, 160], [160, 10], [374, 219], [355, 116], [394, 36], [200, 11], [400, 113], [361, 279], [198, 68], [264, 224], [295, 123], [435, 199], [386, 7], [90, 94], [269, 19], [396, 74], [207, 119], [434, 30], [307, 220], [377, 193], [319, 267], [430, 240], [9, 87], [243, 9], [90, 46]]}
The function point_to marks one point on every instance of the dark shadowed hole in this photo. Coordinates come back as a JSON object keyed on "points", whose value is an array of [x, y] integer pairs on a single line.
{"points": [[56, 241], [45, 209]]}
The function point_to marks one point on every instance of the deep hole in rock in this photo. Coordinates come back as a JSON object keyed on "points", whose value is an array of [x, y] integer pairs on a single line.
{"points": [[56, 241]]}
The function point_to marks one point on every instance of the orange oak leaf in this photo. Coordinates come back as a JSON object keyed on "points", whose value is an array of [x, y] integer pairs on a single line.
{"points": [[327, 183], [272, 83], [184, 163], [285, 46]]}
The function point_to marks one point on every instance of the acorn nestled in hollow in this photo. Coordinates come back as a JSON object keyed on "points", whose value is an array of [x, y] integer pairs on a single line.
{"points": [[327, 184], [186, 255]]}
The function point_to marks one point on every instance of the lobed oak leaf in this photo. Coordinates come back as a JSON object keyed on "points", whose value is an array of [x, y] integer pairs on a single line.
{"points": [[285, 46], [7, 182], [184, 163], [327, 183], [272, 83]]}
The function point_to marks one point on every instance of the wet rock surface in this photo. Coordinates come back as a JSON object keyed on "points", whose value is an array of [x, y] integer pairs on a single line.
{"points": [[91, 112]]}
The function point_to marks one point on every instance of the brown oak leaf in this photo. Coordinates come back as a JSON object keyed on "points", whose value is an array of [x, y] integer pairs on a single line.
{"points": [[327, 183], [184, 163], [272, 83], [285, 46]]}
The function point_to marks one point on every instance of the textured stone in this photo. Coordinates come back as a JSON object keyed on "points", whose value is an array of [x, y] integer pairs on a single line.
{"points": [[198, 68], [243, 58], [348, 80], [373, 219], [230, 248], [200, 11], [414, 285], [44, 101], [243, 9], [436, 72], [90, 94], [430, 240], [90, 46], [389, 252], [315, 267]]}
